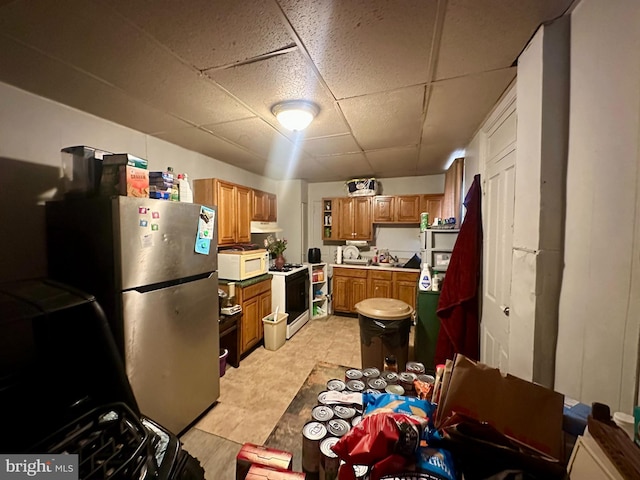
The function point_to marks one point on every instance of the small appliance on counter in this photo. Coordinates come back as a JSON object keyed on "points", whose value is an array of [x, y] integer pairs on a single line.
{"points": [[242, 264], [314, 255]]}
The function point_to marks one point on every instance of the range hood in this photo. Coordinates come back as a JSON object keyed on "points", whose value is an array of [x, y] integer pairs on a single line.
{"points": [[265, 227]]}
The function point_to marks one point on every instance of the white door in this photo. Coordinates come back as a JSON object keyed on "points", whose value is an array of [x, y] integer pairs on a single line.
{"points": [[497, 206]]}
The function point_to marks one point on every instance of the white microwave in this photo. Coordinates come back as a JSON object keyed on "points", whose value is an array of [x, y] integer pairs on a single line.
{"points": [[240, 265]]}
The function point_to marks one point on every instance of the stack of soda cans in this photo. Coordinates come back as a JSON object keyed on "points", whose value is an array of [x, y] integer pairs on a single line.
{"points": [[338, 411]]}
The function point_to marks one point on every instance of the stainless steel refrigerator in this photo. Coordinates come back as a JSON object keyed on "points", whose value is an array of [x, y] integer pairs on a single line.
{"points": [[140, 259]]}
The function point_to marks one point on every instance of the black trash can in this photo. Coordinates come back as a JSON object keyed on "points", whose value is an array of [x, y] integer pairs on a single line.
{"points": [[385, 324]]}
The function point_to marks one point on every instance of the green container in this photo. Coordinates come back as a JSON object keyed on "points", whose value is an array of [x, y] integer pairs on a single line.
{"points": [[427, 329]]}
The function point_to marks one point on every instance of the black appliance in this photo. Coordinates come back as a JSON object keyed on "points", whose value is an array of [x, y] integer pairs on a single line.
{"points": [[63, 388], [314, 255]]}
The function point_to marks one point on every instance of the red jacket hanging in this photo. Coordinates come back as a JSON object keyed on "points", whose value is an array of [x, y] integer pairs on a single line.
{"points": [[458, 306]]}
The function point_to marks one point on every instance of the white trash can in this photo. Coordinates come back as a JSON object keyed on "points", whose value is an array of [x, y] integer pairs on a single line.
{"points": [[275, 330]]}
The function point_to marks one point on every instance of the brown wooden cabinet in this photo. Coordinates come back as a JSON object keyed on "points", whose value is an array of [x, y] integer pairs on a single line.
{"points": [[256, 304], [354, 218], [432, 204], [349, 288], [265, 206], [397, 208], [405, 287], [352, 285], [234, 208], [380, 284]]}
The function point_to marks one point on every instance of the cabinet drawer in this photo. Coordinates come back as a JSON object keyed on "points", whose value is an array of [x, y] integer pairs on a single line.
{"points": [[254, 290], [405, 277], [350, 272], [378, 275]]}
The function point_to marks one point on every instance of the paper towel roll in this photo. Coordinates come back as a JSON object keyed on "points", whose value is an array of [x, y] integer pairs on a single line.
{"points": [[339, 255]]}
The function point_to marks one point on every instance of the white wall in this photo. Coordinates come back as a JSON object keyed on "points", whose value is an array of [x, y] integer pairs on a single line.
{"points": [[599, 312], [33, 130], [292, 200], [599, 306]]}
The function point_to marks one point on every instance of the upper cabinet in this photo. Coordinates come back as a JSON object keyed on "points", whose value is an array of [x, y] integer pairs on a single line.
{"points": [[432, 204], [396, 208], [234, 208], [354, 218], [265, 206]]}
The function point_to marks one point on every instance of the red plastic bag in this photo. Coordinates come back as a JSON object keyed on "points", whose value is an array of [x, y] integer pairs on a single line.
{"points": [[384, 441]]}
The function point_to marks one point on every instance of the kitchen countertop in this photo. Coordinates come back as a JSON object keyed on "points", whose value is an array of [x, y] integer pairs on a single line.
{"points": [[248, 282], [377, 267]]}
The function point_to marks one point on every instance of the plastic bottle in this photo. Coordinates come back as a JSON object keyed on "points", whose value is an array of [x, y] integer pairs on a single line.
{"points": [[424, 284], [186, 195], [435, 282], [391, 364]]}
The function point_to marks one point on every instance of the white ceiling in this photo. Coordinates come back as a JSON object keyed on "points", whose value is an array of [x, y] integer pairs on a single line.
{"points": [[400, 84]]}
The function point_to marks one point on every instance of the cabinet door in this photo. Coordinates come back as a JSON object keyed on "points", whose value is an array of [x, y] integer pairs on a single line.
{"points": [[260, 206], [250, 318], [226, 197], [358, 292], [432, 204], [380, 284], [265, 309], [380, 288], [345, 219], [204, 191], [408, 209], [405, 287], [243, 214], [341, 302], [272, 207], [383, 208], [362, 227]]}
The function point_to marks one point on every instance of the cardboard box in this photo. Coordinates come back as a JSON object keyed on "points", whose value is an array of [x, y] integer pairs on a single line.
{"points": [[251, 454], [529, 413], [124, 180], [260, 472]]}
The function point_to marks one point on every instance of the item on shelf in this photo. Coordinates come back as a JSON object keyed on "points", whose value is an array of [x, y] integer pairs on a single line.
{"points": [[361, 187]]}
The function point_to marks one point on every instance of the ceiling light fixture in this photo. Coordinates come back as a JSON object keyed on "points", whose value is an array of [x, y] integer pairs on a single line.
{"points": [[295, 115]]}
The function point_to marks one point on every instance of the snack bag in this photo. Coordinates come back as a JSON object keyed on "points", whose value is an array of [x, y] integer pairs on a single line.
{"points": [[392, 403]]}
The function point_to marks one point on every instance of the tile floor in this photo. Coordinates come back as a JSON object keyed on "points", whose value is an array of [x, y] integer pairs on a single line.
{"points": [[254, 396]]}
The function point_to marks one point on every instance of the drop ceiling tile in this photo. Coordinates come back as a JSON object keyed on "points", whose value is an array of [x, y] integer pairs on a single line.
{"points": [[118, 53], [434, 158], [30, 70], [335, 145], [389, 160], [487, 35], [286, 77], [457, 107], [208, 144], [253, 134], [386, 119], [210, 34], [366, 46], [347, 166]]}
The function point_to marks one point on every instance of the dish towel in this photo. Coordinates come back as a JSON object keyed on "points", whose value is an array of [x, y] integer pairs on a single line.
{"points": [[458, 306]]}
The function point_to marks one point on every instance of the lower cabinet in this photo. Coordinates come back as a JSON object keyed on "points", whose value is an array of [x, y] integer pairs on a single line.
{"points": [[349, 288], [256, 304], [405, 287], [351, 285]]}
